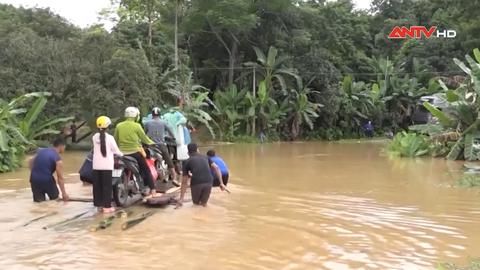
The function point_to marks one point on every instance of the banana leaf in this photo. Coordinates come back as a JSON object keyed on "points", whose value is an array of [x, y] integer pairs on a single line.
{"points": [[375, 92], [442, 117], [476, 53], [33, 112], [471, 152], [457, 150], [462, 65], [466, 114], [429, 129], [452, 96], [3, 141]]}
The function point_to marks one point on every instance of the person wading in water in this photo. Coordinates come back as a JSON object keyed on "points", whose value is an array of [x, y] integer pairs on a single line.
{"points": [[221, 165], [198, 167], [104, 149], [42, 166]]}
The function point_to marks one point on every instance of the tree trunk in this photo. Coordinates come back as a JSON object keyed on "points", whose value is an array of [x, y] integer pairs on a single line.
{"points": [[150, 25], [176, 35], [231, 62], [149, 32], [254, 86]]}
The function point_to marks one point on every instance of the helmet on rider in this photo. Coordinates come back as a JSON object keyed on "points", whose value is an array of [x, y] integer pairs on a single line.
{"points": [[156, 111], [103, 122], [132, 112]]}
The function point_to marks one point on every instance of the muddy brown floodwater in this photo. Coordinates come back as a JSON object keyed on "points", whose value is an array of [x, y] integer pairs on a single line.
{"points": [[292, 206]]}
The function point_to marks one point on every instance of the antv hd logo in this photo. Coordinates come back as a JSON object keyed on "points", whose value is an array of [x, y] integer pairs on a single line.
{"points": [[420, 31]]}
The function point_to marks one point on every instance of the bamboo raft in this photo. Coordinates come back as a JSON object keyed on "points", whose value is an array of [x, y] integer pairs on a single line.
{"points": [[64, 222], [107, 222], [134, 221]]}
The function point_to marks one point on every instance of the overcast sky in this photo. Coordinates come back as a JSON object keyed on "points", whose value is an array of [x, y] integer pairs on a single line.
{"points": [[85, 12]]}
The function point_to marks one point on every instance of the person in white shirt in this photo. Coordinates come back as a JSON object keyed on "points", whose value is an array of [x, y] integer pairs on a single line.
{"points": [[104, 149]]}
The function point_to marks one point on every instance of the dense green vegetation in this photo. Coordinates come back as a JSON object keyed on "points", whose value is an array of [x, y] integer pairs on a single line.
{"points": [[21, 124], [456, 134], [293, 69]]}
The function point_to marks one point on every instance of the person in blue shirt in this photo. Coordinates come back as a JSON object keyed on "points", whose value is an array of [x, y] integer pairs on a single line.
{"points": [[45, 162], [221, 165]]}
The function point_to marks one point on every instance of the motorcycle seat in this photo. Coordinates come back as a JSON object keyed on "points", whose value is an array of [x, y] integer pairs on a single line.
{"points": [[129, 159]]}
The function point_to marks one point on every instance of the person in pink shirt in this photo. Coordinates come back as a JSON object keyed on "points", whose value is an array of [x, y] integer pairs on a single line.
{"points": [[104, 149]]}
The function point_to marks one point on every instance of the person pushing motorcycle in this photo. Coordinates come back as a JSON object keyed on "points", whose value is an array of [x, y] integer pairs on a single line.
{"points": [[130, 135]]}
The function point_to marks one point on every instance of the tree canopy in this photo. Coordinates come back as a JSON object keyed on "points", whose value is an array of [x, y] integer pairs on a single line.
{"points": [[156, 44]]}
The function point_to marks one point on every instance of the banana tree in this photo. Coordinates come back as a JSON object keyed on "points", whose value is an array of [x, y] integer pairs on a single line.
{"points": [[463, 113], [357, 103], [19, 126], [195, 98], [270, 69], [301, 110], [270, 112], [229, 105], [33, 128]]}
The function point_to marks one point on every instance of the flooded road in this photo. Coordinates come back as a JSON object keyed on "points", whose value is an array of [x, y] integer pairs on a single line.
{"points": [[292, 206]]}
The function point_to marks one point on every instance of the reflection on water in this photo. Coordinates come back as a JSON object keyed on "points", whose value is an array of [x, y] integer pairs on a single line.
{"points": [[293, 206]]}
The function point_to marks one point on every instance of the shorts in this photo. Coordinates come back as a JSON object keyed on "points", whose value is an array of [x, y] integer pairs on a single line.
{"points": [[216, 183], [40, 188], [201, 193]]}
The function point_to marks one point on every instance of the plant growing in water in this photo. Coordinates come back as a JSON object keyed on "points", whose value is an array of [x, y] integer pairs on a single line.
{"points": [[474, 264], [462, 117], [409, 145]]}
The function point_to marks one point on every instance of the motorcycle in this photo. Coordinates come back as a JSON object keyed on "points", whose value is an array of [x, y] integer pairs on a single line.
{"points": [[127, 179]]}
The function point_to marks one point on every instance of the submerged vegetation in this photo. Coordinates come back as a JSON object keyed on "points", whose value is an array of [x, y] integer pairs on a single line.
{"points": [[474, 264], [469, 180], [409, 145]]}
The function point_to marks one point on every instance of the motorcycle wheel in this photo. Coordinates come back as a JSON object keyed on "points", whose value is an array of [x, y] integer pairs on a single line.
{"points": [[120, 193], [162, 170]]}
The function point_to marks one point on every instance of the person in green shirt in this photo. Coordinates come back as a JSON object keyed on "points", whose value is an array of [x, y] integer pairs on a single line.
{"points": [[129, 136]]}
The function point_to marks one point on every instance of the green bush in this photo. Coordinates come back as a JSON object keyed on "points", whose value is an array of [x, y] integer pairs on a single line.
{"points": [[409, 145]]}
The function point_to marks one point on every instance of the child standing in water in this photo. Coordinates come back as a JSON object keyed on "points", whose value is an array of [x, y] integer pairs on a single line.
{"points": [[104, 149]]}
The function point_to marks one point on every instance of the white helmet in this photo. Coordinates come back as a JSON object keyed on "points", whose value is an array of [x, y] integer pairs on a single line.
{"points": [[131, 112], [156, 111]]}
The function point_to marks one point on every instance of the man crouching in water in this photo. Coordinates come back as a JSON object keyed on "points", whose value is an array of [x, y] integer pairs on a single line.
{"points": [[198, 168], [42, 166]]}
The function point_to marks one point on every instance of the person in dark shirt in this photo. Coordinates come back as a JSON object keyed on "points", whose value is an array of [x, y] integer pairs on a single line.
{"points": [[157, 129], [42, 166], [221, 165], [368, 128], [198, 167]]}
